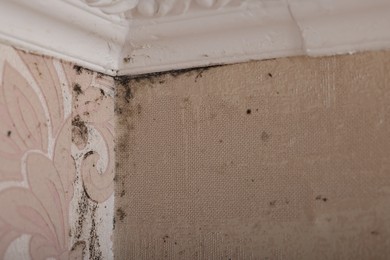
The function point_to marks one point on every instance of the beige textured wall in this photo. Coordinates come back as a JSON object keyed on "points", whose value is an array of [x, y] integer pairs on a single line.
{"points": [[285, 158]]}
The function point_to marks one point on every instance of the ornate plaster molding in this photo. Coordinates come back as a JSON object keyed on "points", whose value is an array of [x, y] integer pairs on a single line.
{"points": [[158, 8], [120, 37]]}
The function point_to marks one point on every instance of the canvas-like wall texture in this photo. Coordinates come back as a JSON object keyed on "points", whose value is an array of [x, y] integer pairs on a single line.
{"points": [[56, 159], [278, 159]]}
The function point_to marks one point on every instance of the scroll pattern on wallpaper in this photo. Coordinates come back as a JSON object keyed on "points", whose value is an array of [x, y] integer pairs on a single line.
{"points": [[56, 159]]}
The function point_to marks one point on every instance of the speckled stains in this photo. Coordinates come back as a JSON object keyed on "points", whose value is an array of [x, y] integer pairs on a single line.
{"points": [[94, 244], [86, 212], [87, 100]]}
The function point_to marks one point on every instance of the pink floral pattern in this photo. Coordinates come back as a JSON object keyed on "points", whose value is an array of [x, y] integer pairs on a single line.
{"points": [[42, 174]]}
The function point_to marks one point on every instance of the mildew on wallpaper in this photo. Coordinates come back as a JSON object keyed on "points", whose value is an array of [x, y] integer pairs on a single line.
{"points": [[56, 159]]}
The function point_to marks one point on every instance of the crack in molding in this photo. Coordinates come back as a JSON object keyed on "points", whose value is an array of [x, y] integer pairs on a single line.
{"points": [[297, 26]]}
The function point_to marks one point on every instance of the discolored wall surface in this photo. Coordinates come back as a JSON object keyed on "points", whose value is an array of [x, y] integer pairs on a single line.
{"points": [[285, 158]]}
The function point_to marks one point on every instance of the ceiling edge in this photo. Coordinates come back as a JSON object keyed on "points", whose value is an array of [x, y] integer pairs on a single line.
{"points": [[130, 40]]}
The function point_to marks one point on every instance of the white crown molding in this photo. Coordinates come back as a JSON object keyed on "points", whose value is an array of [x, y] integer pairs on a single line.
{"points": [[120, 37]]}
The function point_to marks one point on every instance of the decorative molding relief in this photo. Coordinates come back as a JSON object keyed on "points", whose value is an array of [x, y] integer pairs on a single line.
{"points": [[119, 37], [158, 8]]}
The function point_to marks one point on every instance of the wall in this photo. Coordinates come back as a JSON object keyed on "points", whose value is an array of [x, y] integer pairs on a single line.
{"points": [[284, 158], [56, 159], [277, 159]]}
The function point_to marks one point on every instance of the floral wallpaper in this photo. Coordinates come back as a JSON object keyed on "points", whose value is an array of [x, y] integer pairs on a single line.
{"points": [[56, 159]]}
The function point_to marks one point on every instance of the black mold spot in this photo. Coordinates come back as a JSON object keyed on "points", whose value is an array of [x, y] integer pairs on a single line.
{"points": [[248, 111], [102, 92], [121, 214], [77, 89], [113, 223], [270, 75], [78, 69], [124, 80], [320, 197], [88, 154], [9, 134], [165, 238]]}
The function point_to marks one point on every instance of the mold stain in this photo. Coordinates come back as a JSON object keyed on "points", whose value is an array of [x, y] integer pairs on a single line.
{"points": [[82, 212], [79, 70], [321, 198], [94, 244], [121, 214], [79, 132], [86, 212], [77, 89]]}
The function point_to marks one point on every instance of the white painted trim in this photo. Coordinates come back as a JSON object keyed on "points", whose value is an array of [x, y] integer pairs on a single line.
{"points": [[63, 30], [141, 36]]}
